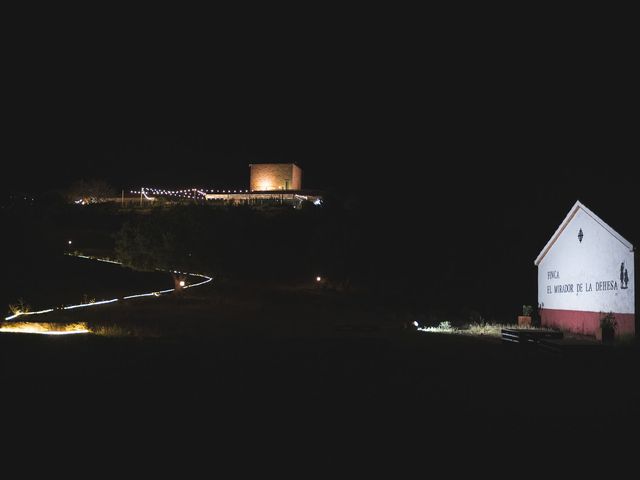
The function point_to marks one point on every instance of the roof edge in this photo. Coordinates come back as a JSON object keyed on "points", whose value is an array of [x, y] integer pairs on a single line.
{"points": [[576, 207]]}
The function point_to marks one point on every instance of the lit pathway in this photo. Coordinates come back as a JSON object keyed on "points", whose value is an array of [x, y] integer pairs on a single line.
{"points": [[206, 279]]}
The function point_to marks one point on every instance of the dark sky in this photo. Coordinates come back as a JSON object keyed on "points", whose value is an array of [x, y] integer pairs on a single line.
{"points": [[503, 130], [464, 113]]}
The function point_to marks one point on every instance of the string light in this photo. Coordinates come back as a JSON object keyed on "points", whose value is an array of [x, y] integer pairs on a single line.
{"points": [[206, 278], [84, 305], [201, 194], [19, 314], [189, 193]]}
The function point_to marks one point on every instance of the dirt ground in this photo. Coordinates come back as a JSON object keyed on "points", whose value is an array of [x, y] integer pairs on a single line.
{"points": [[295, 351]]}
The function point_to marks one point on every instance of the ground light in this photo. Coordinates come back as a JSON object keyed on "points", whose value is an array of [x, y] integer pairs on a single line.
{"points": [[46, 328]]}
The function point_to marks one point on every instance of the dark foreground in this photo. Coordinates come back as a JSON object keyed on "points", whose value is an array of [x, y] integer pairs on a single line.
{"points": [[425, 374], [309, 378], [419, 375]]}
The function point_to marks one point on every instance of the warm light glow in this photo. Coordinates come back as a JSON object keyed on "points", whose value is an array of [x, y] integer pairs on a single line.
{"points": [[45, 328], [275, 176], [318, 279], [182, 284], [69, 242]]}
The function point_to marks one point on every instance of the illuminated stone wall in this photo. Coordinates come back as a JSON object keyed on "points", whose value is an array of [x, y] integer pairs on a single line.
{"points": [[587, 269], [275, 176], [297, 178]]}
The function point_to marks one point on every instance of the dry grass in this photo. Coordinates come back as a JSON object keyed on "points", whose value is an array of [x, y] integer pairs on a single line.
{"points": [[495, 328], [480, 329], [19, 308], [128, 329]]}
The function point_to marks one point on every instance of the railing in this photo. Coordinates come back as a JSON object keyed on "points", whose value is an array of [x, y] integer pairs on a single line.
{"points": [[542, 339]]}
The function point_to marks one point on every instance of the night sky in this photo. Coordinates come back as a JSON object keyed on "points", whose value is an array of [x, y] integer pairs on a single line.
{"points": [[477, 121]]}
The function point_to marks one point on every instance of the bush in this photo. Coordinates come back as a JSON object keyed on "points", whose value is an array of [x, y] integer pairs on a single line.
{"points": [[19, 308], [608, 321]]}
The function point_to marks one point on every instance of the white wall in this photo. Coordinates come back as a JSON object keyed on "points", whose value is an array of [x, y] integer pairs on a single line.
{"points": [[586, 264]]}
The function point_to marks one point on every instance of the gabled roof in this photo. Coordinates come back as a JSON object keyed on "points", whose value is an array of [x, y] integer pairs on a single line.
{"points": [[572, 213]]}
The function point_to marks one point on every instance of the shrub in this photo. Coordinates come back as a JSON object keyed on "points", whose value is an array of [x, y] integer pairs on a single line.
{"points": [[445, 326], [19, 308], [536, 318], [86, 299], [608, 321]]}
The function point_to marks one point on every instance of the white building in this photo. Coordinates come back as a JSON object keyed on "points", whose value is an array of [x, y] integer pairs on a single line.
{"points": [[585, 269]]}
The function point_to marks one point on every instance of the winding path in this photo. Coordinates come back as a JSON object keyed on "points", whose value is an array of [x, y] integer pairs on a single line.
{"points": [[206, 278]]}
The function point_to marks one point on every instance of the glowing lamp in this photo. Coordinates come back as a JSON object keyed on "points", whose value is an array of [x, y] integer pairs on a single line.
{"points": [[318, 279], [182, 284]]}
